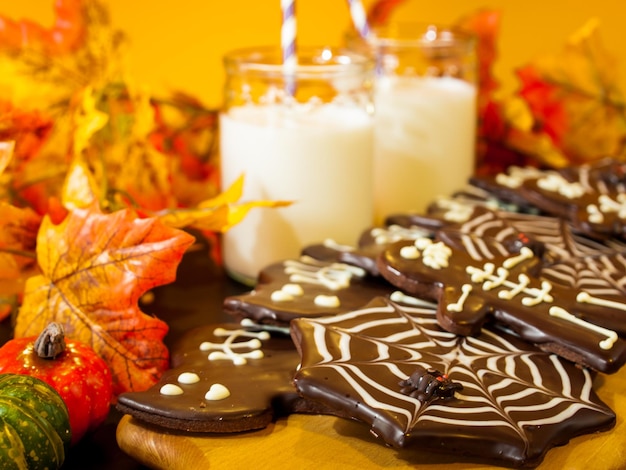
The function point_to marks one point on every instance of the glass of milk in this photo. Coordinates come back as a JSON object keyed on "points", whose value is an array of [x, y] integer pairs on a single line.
{"points": [[303, 135], [425, 115]]}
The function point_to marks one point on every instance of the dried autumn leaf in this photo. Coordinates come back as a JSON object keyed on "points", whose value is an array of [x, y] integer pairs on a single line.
{"points": [[94, 269], [87, 119], [217, 214], [381, 10], [6, 153], [575, 99], [80, 189], [18, 231]]}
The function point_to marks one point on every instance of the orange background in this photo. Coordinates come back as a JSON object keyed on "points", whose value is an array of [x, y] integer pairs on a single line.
{"points": [[179, 44]]}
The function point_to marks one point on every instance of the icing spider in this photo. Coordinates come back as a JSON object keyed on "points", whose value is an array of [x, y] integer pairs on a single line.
{"points": [[427, 384]]}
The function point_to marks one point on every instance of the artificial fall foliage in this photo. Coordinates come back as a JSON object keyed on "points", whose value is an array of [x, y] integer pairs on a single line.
{"points": [[94, 269], [98, 179]]}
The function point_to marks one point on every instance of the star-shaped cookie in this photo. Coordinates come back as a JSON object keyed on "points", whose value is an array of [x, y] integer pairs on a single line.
{"points": [[510, 402]]}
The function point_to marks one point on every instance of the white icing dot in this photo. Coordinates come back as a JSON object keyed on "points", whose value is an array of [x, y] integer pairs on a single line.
{"points": [[327, 301], [217, 392], [409, 252], [293, 289], [281, 296], [188, 378], [422, 243], [171, 390]]}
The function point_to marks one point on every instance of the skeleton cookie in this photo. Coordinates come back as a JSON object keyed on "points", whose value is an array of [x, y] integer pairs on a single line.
{"points": [[551, 238], [305, 287], [476, 279], [592, 197], [224, 378]]}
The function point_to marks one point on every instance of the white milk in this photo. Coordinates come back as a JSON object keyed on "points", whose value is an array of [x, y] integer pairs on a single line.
{"points": [[320, 158], [424, 141]]}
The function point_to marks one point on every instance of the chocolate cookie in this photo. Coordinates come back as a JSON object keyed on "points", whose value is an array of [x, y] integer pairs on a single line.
{"points": [[592, 197], [490, 396], [305, 288], [372, 242], [224, 378], [551, 238], [476, 279]]}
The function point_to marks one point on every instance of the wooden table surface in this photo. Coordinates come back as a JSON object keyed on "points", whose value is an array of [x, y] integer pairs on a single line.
{"points": [[320, 442], [324, 442]]}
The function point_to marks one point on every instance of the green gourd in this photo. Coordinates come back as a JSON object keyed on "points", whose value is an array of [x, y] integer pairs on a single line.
{"points": [[34, 424]]}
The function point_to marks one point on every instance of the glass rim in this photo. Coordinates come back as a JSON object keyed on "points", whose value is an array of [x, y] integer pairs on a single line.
{"points": [[311, 60], [419, 34]]}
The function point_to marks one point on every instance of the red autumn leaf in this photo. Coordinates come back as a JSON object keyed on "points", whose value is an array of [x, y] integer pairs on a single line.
{"points": [[95, 267], [495, 132], [64, 36], [381, 10]]}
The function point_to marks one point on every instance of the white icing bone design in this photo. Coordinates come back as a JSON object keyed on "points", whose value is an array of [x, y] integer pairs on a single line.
{"points": [[611, 336], [334, 276], [607, 205], [535, 295], [557, 184], [455, 211], [226, 350], [501, 279], [394, 233], [517, 175]]}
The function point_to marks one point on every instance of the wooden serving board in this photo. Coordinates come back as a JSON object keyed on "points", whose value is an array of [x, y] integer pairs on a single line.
{"points": [[324, 442]]}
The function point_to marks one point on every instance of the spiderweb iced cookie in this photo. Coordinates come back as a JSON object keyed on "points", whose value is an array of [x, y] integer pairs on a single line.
{"points": [[476, 279], [224, 378], [491, 396]]}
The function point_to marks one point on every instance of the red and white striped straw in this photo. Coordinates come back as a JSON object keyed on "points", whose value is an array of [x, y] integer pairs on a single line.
{"points": [[359, 18], [288, 40]]}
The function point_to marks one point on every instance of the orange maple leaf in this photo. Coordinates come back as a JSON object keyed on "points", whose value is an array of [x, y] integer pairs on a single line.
{"points": [[95, 267]]}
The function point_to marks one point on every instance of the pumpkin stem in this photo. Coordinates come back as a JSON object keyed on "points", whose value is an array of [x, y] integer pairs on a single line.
{"points": [[51, 342]]}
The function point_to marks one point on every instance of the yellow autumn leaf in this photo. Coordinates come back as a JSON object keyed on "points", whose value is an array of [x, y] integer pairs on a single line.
{"points": [[87, 120], [217, 214], [6, 153], [80, 189]]}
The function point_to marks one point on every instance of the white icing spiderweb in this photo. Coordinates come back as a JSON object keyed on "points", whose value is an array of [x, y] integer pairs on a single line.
{"points": [[511, 389]]}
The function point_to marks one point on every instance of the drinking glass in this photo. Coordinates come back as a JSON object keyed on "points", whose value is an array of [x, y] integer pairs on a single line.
{"points": [[303, 135]]}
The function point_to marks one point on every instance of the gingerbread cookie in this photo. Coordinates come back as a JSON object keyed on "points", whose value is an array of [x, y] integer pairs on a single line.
{"points": [[372, 242], [505, 186], [592, 197], [552, 238], [490, 396], [224, 378], [476, 279], [305, 287]]}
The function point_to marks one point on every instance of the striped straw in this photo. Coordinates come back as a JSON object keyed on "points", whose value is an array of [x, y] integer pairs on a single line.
{"points": [[288, 41], [359, 18]]}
